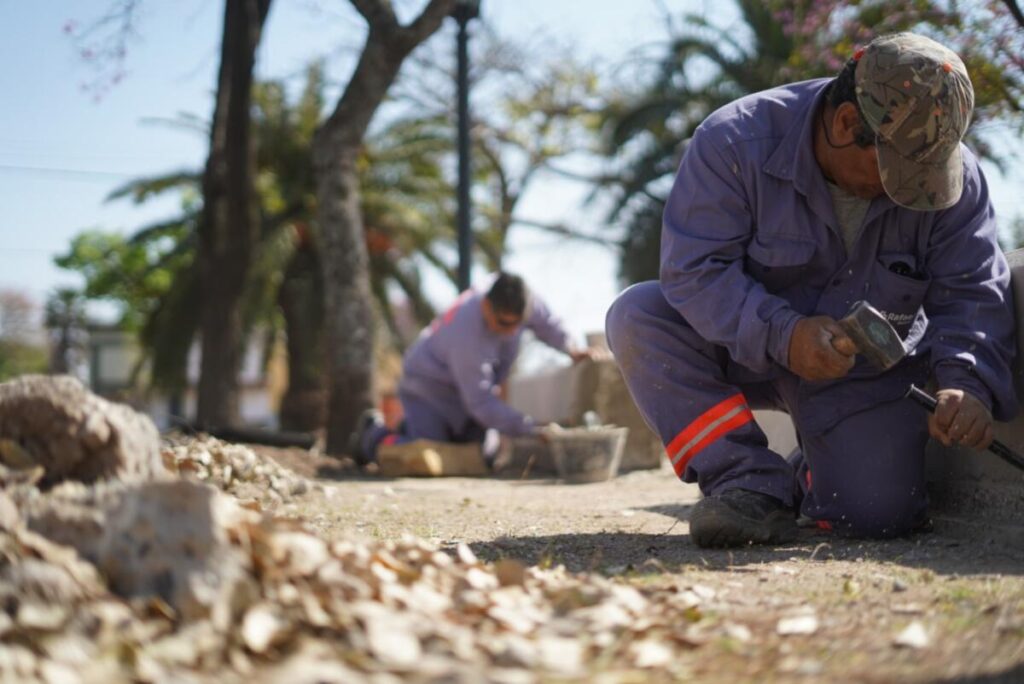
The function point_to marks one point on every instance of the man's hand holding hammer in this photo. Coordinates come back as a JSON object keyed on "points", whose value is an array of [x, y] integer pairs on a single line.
{"points": [[822, 349], [819, 349]]}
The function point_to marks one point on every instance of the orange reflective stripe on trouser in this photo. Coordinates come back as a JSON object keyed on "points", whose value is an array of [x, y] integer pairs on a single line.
{"points": [[712, 424]]}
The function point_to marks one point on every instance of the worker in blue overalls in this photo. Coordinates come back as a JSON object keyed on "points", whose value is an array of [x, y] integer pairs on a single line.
{"points": [[789, 206], [452, 376]]}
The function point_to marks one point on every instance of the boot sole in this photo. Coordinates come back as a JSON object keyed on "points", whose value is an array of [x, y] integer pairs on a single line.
{"points": [[715, 525]]}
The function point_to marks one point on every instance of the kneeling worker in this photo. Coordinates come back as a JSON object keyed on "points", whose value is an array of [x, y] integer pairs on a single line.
{"points": [[452, 375], [790, 206]]}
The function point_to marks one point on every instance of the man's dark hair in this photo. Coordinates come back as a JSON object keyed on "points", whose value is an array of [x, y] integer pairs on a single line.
{"points": [[508, 294], [844, 89]]}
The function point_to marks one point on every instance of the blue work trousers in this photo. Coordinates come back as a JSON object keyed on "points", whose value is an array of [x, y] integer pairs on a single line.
{"points": [[861, 473], [422, 420]]}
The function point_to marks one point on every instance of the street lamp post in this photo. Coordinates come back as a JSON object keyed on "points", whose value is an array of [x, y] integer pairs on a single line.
{"points": [[464, 11]]}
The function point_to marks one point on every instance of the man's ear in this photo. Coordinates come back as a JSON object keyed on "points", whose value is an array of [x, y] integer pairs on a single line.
{"points": [[845, 124]]}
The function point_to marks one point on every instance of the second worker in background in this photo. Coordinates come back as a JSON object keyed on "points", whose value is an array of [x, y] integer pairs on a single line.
{"points": [[452, 376]]}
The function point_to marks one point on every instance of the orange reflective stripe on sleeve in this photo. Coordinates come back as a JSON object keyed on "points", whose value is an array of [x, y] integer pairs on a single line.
{"points": [[449, 315], [720, 419]]}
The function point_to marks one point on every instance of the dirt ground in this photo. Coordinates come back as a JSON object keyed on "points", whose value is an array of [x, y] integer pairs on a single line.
{"points": [[929, 608]]}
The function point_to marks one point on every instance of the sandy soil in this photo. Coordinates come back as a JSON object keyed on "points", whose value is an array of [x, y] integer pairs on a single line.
{"points": [[931, 607]]}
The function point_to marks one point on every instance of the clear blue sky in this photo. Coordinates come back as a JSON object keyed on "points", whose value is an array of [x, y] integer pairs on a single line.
{"points": [[61, 152]]}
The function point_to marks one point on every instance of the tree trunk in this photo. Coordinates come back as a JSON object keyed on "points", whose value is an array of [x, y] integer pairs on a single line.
{"points": [[349, 314], [228, 228], [61, 350], [304, 405], [350, 325]]}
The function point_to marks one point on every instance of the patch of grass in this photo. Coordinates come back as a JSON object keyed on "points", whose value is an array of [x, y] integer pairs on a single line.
{"points": [[732, 646], [546, 560], [960, 594], [964, 622]]}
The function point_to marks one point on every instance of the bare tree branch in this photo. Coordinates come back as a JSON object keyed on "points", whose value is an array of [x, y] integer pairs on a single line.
{"points": [[378, 13], [428, 21], [494, 159], [601, 179], [1015, 11], [103, 44]]}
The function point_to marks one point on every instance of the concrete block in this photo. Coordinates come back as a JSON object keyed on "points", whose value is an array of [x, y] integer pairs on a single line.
{"points": [[974, 492]]}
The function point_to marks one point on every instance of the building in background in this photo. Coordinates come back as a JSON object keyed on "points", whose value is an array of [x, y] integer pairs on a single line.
{"points": [[114, 372]]}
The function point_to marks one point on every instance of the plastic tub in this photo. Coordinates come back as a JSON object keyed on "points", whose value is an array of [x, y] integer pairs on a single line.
{"points": [[587, 454]]}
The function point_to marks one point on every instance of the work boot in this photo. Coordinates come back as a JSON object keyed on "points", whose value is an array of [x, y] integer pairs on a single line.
{"points": [[367, 421], [737, 517]]}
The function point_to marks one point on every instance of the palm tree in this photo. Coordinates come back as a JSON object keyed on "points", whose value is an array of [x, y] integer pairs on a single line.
{"points": [[408, 207], [703, 68], [406, 201]]}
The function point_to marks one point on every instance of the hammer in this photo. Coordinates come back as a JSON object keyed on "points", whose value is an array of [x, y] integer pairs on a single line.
{"points": [[880, 344]]}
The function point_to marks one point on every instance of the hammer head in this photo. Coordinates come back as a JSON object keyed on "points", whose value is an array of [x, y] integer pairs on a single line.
{"points": [[874, 336]]}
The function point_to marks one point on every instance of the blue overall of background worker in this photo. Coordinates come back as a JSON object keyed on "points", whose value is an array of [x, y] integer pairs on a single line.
{"points": [[789, 206], [452, 375]]}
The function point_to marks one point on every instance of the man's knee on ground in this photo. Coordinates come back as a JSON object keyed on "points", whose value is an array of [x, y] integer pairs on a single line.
{"points": [[879, 515]]}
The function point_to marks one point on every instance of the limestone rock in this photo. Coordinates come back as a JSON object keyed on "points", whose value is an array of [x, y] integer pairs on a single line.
{"points": [[164, 539], [56, 423]]}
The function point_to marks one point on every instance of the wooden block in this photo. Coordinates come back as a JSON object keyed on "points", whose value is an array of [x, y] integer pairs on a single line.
{"points": [[426, 458]]}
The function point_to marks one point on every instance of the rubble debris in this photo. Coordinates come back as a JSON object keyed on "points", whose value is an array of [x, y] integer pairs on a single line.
{"points": [[236, 470], [186, 580], [200, 577]]}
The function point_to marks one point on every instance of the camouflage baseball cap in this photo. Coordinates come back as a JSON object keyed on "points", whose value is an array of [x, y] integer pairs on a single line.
{"points": [[918, 98]]}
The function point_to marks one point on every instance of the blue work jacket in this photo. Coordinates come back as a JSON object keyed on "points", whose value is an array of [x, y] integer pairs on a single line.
{"points": [[458, 364], [750, 244]]}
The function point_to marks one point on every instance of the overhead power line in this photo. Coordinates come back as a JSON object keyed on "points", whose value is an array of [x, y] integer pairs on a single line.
{"points": [[85, 174]]}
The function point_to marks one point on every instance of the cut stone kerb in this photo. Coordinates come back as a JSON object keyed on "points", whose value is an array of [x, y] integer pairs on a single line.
{"points": [[55, 423]]}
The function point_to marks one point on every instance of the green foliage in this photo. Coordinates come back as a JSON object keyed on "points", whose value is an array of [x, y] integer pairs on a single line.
{"points": [[545, 111], [152, 275], [646, 128], [705, 66], [18, 358], [143, 189], [985, 35], [407, 195], [133, 273]]}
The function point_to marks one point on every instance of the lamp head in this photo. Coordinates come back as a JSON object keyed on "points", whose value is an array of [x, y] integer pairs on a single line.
{"points": [[466, 10]]}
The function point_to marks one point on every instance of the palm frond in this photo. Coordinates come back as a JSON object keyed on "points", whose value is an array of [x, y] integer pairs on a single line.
{"points": [[142, 189]]}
